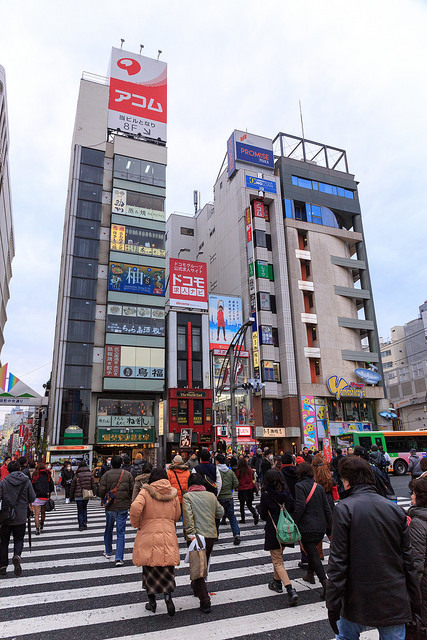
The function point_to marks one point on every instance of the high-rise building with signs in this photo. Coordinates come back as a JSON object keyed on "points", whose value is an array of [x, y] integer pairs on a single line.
{"points": [[109, 349], [7, 245]]}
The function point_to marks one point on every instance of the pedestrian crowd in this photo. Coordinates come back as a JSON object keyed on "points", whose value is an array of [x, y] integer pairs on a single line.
{"points": [[376, 574]]}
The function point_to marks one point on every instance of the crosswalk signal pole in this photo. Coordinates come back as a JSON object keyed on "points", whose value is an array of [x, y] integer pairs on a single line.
{"points": [[233, 404]]}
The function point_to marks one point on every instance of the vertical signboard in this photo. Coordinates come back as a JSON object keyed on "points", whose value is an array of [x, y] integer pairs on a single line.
{"points": [[138, 95], [188, 283], [252, 288], [308, 413]]}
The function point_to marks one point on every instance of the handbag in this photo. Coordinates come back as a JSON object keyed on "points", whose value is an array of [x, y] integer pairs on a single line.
{"points": [[110, 496], [49, 505], [287, 531], [197, 559], [7, 512], [86, 493]]}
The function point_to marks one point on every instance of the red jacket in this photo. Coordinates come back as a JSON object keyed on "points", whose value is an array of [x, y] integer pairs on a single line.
{"points": [[3, 472], [246, 481]]}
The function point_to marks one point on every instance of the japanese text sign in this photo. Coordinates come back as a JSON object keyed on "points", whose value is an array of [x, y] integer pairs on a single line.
{"points": [[138, 95], [188, 284]]}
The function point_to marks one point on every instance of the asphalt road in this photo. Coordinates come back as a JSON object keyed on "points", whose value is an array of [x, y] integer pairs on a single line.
{"points": [[400, 485]]}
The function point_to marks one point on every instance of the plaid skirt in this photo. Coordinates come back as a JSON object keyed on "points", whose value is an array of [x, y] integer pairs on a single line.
{"points": [[158, 579]]}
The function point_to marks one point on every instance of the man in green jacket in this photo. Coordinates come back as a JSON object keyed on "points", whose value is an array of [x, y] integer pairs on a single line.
{"points": [[200, 509], [225, 497]]}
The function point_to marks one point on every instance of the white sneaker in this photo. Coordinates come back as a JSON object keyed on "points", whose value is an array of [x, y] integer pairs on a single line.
{"points": [[107, 555], [67, 500], [120, 563]]}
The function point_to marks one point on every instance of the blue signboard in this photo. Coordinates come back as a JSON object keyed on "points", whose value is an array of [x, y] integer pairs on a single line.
{"points": [[254, 155], [136, 279], [260, 184]]}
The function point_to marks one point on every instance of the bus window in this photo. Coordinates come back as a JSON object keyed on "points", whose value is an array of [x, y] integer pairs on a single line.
{"points": [[379, 442], [366, 441], [421, 443]]}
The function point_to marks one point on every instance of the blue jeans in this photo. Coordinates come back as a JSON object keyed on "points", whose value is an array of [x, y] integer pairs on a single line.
{"points": [[229, 513], [118, 517], [81, 511], [352, 630]]}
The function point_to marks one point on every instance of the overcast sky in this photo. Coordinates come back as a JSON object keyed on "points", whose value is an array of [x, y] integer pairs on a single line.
{"points": [[359, 69]]}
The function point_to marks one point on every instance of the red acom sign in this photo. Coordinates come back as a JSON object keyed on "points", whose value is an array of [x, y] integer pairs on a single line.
{"points": [[188, 284], [138, 93]]}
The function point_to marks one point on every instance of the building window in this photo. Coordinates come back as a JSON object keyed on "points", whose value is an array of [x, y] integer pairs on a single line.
{"points": [[92, 156], [385, 354], [182, 411], [186, 231], [387, 365], [307, 269], [182, 373], [142, 171], [314, 333], [182, 338], [94, 175], [88, 191], [197, 374], [198, 411], [89, 210], [323, 187], [196, 339], [275, 337]]}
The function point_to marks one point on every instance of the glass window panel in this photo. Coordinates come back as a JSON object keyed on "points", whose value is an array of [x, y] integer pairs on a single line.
{"points": [[182, 338], [86, 248], [83, 288], [89, 210], [134, 199], [91, 174], [302, 182], [329, 219], [348, 194], [295, 180], [182, 372], [92, 156], [75, 400], [85, 268], [88, 191], [267, 413], [81, 309], [196, 339], [87, 229], [79, 353], [80, 332], [341, 191], [79, 419], [260, 238], [77, 376], [315, 185], [198, 411], [288, 208]]}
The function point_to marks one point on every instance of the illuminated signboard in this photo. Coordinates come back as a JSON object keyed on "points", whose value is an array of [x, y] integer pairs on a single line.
{"points": [[254, 155], [225, 319], [340, 388], [136, 279], [269, 186], [188, 284], [138, 95], [144, 242], [122, 202]]}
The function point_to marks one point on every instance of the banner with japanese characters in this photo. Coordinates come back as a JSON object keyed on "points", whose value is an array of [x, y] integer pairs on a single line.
{"points": [[134, 362], [138, 95], [188, 284], [133, 278], [145, 242]]}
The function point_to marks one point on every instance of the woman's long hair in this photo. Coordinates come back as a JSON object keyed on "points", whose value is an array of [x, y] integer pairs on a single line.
{"points": [[243, 468], [40, 470], [272, 480], [322, 473]]}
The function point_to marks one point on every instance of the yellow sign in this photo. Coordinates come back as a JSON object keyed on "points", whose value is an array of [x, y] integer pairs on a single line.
{"points": [[117, 241], [255, 340], [256, 359]]}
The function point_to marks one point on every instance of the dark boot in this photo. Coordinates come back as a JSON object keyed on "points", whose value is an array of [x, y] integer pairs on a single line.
{"points": [[275, 585], [292, 596], [256, 518], [151, 604], [309, 577], [169, 604]]}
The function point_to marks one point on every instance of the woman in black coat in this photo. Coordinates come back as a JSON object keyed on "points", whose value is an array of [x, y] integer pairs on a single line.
{"points": [[314, 518], [67, 475], [418, 533], [273, 495]]}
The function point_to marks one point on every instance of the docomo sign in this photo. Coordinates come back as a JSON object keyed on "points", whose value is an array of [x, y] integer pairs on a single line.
{"points": [[188, 284], [138, 95]]}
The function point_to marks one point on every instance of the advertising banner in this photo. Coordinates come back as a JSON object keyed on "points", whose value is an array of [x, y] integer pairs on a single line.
{"points": [[119, 205], [185, 438], [133, 278], [259, 184], [225, 319], [231, 156], [136, 320], [188, 284], [138, 95], [254, 155], [109, 436], [134, 362], [308, 413], [144, 242]]}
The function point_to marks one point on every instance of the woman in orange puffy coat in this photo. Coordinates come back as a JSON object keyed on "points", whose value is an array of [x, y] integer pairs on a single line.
{"points": [[154, 513]]}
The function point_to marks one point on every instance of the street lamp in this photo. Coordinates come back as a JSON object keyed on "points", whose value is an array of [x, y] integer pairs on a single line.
{"points": [[183, 251]]}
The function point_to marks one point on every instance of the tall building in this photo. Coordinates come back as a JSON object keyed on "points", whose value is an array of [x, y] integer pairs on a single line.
{"points": [[285, 234], [109, 349], [7, 244], [404, 358]]}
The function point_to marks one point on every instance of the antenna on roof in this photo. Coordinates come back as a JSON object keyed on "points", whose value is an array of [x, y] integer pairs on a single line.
{"points": [[302, 121], [122, 41], [141, 46]]}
